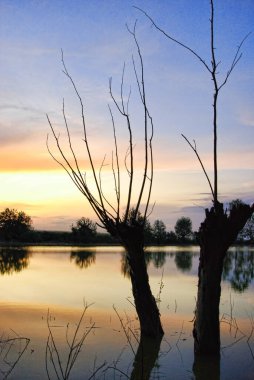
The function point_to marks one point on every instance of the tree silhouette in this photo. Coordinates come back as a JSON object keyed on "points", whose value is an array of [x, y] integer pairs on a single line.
{"points": [[183, 228], [220, 228], [84, 230], [159, 232], [14, 224], [129, 227]]}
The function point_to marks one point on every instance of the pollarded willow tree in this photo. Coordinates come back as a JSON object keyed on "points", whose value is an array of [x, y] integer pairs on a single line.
{"points": [[128, 226], [221, 226]]}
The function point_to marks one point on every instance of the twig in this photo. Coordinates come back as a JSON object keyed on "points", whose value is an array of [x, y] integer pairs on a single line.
{"points": [[124, 330]]}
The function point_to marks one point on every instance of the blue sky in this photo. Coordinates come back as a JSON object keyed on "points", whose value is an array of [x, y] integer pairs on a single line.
{"points": [[96, 43]]}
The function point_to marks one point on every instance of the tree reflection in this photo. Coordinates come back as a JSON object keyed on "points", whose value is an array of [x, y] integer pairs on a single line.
{"points": [[183, 260], [83, 259], [13, 259], [145, 358], [206, 367], [227, 265], [239, 269], [158, 259]]}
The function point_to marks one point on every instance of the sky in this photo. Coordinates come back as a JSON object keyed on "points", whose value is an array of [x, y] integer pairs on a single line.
{"points": [[179, 92]]}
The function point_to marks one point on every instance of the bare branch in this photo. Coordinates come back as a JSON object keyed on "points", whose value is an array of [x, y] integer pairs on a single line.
{"points": [[70, 145], [122, 82], [212, 69], [117, 183], [125, 160], [174, 39], [131, 171], [194, 148], [141, 87], [85, 133], [73, 175], [101, 191], [235, 60], [151, 163]]}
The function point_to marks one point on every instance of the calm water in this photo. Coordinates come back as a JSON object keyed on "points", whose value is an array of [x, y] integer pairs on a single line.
{"points": [[43, 292]]}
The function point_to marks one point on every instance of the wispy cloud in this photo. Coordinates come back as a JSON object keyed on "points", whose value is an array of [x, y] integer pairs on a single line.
{"points": [[7, 107]]}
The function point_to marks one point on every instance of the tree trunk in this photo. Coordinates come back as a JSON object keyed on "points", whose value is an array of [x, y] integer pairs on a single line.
{"points": [[205, 368], [145, 358], [216, 234], [146, 307]]}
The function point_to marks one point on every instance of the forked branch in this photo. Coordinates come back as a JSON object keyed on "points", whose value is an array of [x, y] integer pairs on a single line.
{"points": [[212, 69], [194, 148]]}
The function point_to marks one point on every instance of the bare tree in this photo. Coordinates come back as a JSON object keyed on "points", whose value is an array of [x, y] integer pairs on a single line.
{"points": [[220, 227], [129, 227]]}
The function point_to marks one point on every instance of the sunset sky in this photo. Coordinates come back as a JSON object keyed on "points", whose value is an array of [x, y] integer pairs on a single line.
{"points": [[96, 43]]}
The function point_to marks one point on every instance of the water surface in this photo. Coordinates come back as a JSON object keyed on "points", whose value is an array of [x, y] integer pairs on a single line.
{"points": [[44, 289]]}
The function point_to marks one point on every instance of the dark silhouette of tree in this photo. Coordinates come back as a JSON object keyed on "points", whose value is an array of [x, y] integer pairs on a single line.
{"points": [[84, 230], [220, 228], [206, 368], [14, 225], [148, 233], [159, 232], [183, 260], [83, 259], [171, 237], [13, 260], [183, 228], [146, 358], [128, 228]]}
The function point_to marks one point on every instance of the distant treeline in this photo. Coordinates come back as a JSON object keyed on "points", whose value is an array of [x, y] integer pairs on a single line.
{"points": [[16, 226]]}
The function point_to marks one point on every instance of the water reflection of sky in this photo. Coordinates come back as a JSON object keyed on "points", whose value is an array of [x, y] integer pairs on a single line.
{"points": [[64, 276], [60, 278]]}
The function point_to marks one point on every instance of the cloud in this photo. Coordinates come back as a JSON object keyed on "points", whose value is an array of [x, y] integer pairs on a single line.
{"points": [[54, 222], [10, 135], [247, 120], [7, 107]]}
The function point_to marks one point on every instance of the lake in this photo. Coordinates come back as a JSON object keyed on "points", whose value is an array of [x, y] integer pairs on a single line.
{"points": [[45, 290]]}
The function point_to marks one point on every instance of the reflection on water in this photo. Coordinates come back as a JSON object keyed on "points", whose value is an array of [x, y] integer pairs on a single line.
{"points": [[183, 260], [13, 259], [12, 349], [83, 258], [158, 259], [206, 368], [238, 265], [239, 269], [60, 278], [145, 359]]}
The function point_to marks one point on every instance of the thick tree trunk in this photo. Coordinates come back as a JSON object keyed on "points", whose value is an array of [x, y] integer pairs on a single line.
{"points": [[146, 307], [145, 358], [216, 234], [206, 368]]}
